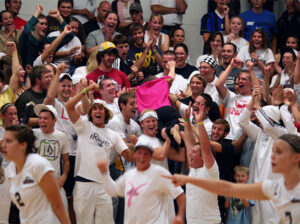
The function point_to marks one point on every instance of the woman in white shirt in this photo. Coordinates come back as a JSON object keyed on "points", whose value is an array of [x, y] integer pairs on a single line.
{"points": [[283, 192], [257, 52], [154, 27], [33, 185], [236, 33]]}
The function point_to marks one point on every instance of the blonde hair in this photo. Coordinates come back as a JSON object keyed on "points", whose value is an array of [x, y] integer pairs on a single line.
{"points": [[92, 62], [241, 168]]}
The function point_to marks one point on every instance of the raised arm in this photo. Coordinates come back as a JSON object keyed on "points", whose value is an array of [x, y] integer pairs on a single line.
{"points": [[208, 157], [70, 106], [297, 70], [53, 87], [14, 79], [220, 84]]}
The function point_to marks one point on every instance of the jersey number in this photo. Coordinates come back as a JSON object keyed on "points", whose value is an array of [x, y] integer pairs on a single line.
{"points": [[18, 198], [289, 215]]}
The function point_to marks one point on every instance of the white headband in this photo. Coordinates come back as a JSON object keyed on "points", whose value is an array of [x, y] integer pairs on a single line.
{"points": [[148, 114]]}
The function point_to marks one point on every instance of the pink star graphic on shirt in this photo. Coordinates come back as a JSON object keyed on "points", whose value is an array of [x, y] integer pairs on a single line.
{"points": [[133, 192]]}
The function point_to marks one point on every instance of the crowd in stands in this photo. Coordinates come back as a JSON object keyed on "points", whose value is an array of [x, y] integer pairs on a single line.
{"points": [[95, 82]]}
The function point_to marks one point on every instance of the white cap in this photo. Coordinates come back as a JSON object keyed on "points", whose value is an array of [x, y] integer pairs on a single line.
{"points": [[272, 112], [40, 107], [103, 103], [64, 75], [77, 77]]}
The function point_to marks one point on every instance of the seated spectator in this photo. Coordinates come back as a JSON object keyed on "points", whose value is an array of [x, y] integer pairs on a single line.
{"points": [[14, 7], [146, 54], [97, 22], [286, 24], [32, 44], [229, 51], [84, 10], [107, 33], [215, 21], [177, 36], [213, 47], [236, 33], [106, 57], [258, 53], [183, 68], [256, 17], [8, 32], [154, 28], [124, 64]]}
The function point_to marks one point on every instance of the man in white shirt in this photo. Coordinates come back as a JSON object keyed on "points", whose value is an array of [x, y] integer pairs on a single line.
{"points": [[145, 190], [179, 84], [52, 144], [202, 206], [234, 103]]}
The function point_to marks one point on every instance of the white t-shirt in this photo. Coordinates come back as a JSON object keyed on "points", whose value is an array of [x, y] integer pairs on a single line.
{"points": [[286, 201], [235, 105], [26, 193], [95, 144], [90, 5], [284, 80], [75, 42], [201, 205], [146, 194], [239, 44], [64, 124], [51, 146], [170, 19], [179, 83], [264, 56], [114, 107]]}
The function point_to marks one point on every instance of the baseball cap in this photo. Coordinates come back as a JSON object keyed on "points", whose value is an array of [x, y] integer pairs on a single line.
{"points": [[135, 7], [40, 107], [65, 76], [103, 103], [77, 77], [143, 144], [107, 46]]}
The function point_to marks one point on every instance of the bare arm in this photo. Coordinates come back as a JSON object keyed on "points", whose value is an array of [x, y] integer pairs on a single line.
{"points": [[53, 87], [181, 6], [14, 79], [297, 70], [49, 185], [162, 9], [66, 168], [223, 188], [181, 203]]}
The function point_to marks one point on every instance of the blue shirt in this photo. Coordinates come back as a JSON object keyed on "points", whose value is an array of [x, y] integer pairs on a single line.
{"points": [[211, 22], [265, 20], [237, 213]]}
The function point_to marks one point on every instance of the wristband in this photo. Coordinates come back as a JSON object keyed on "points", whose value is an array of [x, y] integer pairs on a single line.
{"points": [[84, 91], [131, 147], [154, 52], [199, 123], [186, 119]]}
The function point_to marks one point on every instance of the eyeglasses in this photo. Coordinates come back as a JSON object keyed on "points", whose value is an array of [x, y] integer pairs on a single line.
{"points": [[101, 77], [203, 67]]}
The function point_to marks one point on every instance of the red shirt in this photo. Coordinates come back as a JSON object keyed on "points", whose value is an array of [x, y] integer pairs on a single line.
{"points": [[19, 23], [119, 77]]}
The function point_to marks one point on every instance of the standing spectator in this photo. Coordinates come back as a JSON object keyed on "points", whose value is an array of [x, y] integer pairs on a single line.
{"points": [[84, 10], [286, 24], [64, 8], [97, 22], [14, 7], [234, 5], [9, 33], [177, 36], [258, 53], [236, 33], [257, 17], [172, 11], [146, 55], [106, 57], [106, 33], [215, 21]]}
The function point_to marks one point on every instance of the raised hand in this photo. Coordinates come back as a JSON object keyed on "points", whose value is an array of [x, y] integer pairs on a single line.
{"points": [[54, 13], [67, 29], [61, 68]]}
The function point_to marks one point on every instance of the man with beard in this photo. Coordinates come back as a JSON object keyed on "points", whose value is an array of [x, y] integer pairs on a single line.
{"points": [[14, 7], [235, 103], [146, 55], [106, 57], [229, 51]]}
